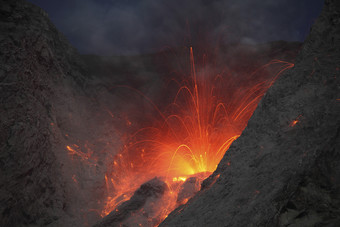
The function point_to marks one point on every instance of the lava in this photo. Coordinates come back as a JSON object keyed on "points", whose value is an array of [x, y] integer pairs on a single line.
{"points": [[209, 112]]}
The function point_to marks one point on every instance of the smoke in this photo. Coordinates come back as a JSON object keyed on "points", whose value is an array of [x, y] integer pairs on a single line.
{"points": [[130, 27]]}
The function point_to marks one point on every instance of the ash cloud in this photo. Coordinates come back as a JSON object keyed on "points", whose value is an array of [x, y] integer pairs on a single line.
{"points": [[131, 27]]}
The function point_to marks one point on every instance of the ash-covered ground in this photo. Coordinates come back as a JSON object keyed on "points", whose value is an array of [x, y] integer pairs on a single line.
{"points": [[52, 98]]}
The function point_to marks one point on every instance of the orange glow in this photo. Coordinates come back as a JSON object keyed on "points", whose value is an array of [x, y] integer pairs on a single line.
{"points": [[294, 122], [179, 179], [74, 178], [192, 134], [75, 151]]}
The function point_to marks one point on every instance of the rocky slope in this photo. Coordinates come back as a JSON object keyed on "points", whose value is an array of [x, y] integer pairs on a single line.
{"points": [[284, 168], [43, 109], [33, 56]]}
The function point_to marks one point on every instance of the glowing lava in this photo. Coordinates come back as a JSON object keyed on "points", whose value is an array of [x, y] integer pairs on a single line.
{"points": [[207, 114]]}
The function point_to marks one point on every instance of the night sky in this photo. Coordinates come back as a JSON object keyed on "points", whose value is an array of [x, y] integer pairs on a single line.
{"points": [[115, 27]]}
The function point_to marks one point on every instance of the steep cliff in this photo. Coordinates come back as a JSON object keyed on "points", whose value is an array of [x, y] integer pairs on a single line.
{"points": [[36, 62]]}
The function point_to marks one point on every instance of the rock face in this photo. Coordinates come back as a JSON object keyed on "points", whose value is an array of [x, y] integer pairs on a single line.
{"points": [[33, 56], [189, 188], [43, 109], [284, 168], [152, 190]]}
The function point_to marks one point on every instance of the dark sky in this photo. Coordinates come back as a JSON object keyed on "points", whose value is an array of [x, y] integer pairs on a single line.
{"points": [[112, 27]]}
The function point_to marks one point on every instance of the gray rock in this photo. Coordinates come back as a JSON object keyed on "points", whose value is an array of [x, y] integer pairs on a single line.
{"points": [[35, 61], [189, 188], [151, 190]]}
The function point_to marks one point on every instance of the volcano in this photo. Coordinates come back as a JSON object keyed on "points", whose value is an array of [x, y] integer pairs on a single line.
{"points": [[239, 135]]}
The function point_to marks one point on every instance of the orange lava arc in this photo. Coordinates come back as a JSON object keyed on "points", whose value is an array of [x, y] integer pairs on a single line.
{"points": [[208, 113]]}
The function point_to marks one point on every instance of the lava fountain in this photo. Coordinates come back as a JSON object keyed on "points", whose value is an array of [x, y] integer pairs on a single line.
{"points": [[208, 112]]}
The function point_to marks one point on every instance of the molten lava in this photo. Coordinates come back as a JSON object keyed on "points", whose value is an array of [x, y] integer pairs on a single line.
{"points": [[208, 113]]}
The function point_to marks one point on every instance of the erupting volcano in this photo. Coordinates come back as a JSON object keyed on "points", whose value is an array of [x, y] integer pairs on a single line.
{"points": [[217, 134], [187, 139]]}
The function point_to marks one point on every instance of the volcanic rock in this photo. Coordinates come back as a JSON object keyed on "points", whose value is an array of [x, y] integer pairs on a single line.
{"points": [[189, 188], [151, 190], [284, 168], [43, 107], [34, 56]]}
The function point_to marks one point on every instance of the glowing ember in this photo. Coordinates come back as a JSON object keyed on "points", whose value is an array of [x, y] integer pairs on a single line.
{"points": [[293, 123], [75, 151], [208, 113]]}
